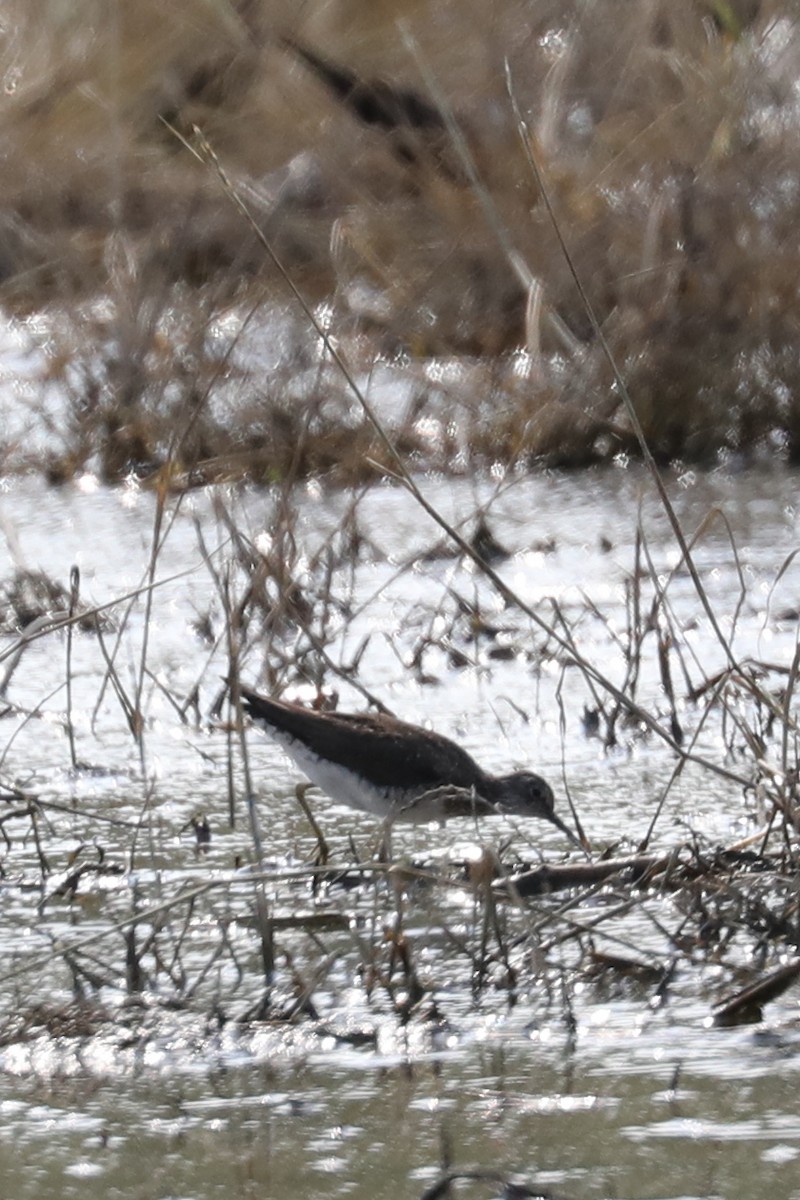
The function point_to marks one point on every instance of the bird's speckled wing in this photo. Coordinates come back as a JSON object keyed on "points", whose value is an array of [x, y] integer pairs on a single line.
{"points": [[377, 745]]}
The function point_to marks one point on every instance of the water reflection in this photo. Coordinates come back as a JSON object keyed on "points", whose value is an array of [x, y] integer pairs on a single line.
{"points": [[383, 1133]]}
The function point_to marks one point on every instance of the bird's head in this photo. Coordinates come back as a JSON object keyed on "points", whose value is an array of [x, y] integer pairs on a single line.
{"points": [[525, 794]]}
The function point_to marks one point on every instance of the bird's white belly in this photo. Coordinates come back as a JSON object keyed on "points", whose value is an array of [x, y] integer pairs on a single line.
{"points": [[341, 785], [417, 805]]}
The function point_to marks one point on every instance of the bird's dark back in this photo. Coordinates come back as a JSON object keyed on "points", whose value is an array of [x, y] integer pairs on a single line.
{"points": [[390, 755]]}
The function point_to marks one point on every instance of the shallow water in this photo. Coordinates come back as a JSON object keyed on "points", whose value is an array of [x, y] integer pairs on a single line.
{"points": [[582, 1122], [590, 1087]]}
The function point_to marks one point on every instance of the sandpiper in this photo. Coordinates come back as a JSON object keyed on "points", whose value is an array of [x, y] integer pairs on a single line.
{"points": [[394, 770]]}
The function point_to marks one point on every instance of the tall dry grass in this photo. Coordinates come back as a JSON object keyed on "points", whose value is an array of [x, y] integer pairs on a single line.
{"points": [[666, 136]]}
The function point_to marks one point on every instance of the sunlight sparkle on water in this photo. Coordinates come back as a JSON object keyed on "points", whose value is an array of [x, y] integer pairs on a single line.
{"points": [[84, 1169]]}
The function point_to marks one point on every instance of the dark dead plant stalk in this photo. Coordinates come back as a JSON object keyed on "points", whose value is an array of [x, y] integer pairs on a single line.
{"points": [[264, 921]]}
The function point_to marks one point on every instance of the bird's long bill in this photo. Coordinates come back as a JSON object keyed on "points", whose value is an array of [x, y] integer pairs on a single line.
{"points": [[573, 837]]}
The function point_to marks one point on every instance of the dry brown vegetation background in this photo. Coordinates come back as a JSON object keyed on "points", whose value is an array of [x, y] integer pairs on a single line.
{"points": [[667, 138]]}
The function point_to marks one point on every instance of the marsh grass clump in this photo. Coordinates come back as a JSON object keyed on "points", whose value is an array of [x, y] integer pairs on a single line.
{"points": [[29, 597], [415, 207]]}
